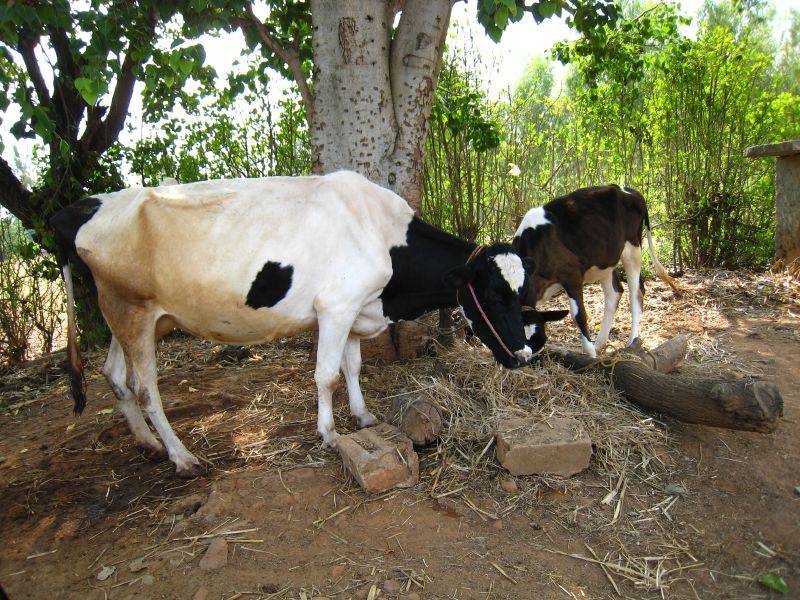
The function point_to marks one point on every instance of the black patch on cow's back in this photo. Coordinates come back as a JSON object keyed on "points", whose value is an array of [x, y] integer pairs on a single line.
{"points": [[66, 224], [68, 221], [270, 285]]}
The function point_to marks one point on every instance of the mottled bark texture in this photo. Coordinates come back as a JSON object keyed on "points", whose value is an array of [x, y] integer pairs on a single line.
{"points": [[787, 209], [374, 86]]}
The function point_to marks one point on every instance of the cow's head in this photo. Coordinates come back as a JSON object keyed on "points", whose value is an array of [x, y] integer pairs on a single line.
{"points": [[534, 322], [489, 287]]}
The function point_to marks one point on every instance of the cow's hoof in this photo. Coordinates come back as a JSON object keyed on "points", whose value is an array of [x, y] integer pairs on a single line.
{"points": [[367, 419], [154, 453], [329, 441], [190, 470]]}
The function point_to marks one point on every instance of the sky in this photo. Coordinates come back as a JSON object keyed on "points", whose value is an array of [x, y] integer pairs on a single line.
{"points": [[507, 60]]}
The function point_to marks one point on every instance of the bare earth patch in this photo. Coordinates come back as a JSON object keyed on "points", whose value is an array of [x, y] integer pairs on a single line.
{"points": [[666, 509]]}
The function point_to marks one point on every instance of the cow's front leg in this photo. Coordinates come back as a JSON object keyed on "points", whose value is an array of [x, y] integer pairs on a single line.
{"points": [[333, 334], [351, 365]]}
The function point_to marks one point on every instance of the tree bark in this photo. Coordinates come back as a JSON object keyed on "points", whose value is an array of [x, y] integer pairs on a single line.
{"points": [[373, 92], [663, 359], [741, 404], [787, 209]]}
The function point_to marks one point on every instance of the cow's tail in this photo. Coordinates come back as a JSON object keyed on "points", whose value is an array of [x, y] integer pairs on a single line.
{"points": [[660, 270], [77, 380]]}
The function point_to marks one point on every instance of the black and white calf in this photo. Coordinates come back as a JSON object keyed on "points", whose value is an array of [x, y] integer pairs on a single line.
{"points": [[579, 238], [247, 261]]}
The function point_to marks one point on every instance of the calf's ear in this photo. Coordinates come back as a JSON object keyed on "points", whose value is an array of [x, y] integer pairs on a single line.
{"points": [[553, 315], [459, 276]]}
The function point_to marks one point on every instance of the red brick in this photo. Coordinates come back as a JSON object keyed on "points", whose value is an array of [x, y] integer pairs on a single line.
{"points": [[380, 458], [555, 446]]}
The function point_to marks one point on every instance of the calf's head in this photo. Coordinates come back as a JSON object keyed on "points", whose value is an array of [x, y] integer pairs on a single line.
{"points": [[489, 287], [534, 322]]}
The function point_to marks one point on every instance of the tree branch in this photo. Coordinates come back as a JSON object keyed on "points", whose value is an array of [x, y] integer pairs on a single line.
{"points": [[101, 135], [27, 47], [14, 196], [289, 55], [67, 102]]}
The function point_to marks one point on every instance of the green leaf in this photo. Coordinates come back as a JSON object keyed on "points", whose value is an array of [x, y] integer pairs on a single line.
{"points": [[185, 66], [501, 17], [494, 32], [547, 8], [88, 90], [775, 583]]}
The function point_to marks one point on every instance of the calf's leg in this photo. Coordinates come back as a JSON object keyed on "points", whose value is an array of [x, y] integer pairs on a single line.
{"points": [[578, 312], [632, 261], [612, 292]]}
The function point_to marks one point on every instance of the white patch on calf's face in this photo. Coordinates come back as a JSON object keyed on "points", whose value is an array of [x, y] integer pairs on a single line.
{"points": [[534, 218], [530, 330], [511, 268], [466, 318]]}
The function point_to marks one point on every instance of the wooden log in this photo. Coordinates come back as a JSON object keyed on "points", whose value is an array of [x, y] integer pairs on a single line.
{"points": [[419, 419], [742, 404], [663, 359]]}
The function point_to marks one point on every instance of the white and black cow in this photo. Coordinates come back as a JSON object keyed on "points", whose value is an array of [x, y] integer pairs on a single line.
{"points": [[580, 238], [246, 261]]}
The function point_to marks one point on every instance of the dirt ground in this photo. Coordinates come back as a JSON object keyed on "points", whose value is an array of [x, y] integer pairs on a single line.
{"points": [[85, 515]]}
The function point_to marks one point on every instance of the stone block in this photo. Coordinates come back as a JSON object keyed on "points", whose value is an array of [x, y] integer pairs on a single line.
{"points": [[216, 555], [380, 458], [555, 446]]}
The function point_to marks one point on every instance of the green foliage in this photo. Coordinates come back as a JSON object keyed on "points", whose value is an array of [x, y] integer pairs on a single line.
{"points": [[672, 123], [586, 16], [463, 131], [225, 138], [31, 301], [621, 50]]}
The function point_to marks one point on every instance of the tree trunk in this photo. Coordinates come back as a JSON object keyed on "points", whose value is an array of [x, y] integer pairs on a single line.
{"points": [[373, 91], [787, 213], [734, 403]]}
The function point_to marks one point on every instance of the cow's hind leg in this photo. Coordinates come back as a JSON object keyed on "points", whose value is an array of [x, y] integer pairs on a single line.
{"points": [[632, 261], [135, 327], [351, 365], [143, 364], [612, 292], [116, 373]]}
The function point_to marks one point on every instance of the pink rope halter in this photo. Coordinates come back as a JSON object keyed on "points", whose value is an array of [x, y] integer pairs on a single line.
{"points": [[482, 312]]}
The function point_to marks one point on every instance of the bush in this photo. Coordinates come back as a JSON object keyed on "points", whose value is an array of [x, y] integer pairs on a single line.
{"points": [[31, 296]]}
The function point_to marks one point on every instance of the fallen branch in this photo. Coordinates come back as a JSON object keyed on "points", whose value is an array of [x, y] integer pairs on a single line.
{"points": [[742, 404]]}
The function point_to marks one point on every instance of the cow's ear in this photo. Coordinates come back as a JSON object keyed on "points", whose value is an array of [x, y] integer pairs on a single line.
{"points": [[528, 263], [553, 315], [459, 276]]}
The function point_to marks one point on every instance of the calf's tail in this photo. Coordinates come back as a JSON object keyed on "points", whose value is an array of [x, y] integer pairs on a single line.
{"points": [[77, 380], [660, 270]]}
